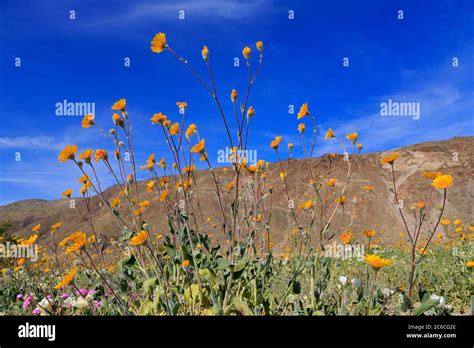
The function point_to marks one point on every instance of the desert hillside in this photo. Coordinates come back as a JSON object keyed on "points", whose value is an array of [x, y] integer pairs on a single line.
{"points": [[369, 209]]}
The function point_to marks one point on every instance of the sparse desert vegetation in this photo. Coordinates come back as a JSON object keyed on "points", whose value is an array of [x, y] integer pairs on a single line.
{"points": [[216, 251]]}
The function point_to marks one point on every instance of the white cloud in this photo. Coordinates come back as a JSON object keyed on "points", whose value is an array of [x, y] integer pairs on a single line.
{"points": [[166, 10], [35, 142]]}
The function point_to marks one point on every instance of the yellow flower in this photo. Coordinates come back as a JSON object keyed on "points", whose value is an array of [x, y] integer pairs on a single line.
{"points": [[83, 190], [67, 153], [352, 137], [331, 182], [329, 134], [164, 180], [88, 121], [390, 159], [440, 236], [340, 200], [159, 44], [422, 251], [144, 204], [74, 242], [304, 111], [163, 195], [282, 175], [233, 96], [470, 264], [91, 239], [67, 193], [115, 202], [36, 228], [306, 205], [230, 186], [30, 241], [442, 181], [185, 264], [290, 146], [199, 147], [189, 169], [301, 128], [369, 233], [457, 222], [431, 175], [205, 53], [83, 179], [246, 52], [86, 155], [150, 162], [274, 144], [445, 222], [21, 261], [68, 278], [182, 105], [376, 261], [119, 105], [140, 238], [174, 129], [100, 155], [346, 237], [192, 128], [150, 186], [259, 45], [459, 229], [158, 118], [368, 187], [360, 146], [421, 204], [250, 112], [56, 226], [117, 120]]}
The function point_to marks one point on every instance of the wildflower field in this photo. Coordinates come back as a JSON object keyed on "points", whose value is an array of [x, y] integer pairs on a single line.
{"points": [[325, 264]]}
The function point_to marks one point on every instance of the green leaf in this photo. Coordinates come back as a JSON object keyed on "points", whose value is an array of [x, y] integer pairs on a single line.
{"points": [[128, 261], [147, 308], [426, 305], [222, 263], [126, 235], [242, 307], [149, 285]]}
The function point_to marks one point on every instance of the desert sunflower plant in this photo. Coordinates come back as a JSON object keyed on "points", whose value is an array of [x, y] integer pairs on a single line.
{"points": [[183, 270]]}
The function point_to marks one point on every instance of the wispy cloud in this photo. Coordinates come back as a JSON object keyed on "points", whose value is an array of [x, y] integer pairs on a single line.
{"points": [[445, 113], [41, 142], [169, 10]]}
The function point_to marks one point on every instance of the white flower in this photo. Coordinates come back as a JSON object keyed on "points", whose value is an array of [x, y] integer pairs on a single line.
{"points": [[355, 282], [80, 303], [343, 280], [44, 303], [440, 299], [388, 292]]}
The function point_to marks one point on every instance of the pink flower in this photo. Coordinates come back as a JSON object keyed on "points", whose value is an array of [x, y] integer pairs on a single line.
{"points": [[27, 302], [36, 311]]}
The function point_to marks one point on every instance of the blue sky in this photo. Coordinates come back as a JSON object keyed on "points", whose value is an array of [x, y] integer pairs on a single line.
{"points": [[81, 60]]}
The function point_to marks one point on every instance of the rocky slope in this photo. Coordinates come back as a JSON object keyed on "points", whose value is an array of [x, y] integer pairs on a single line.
{"points": [[367, 209]]}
